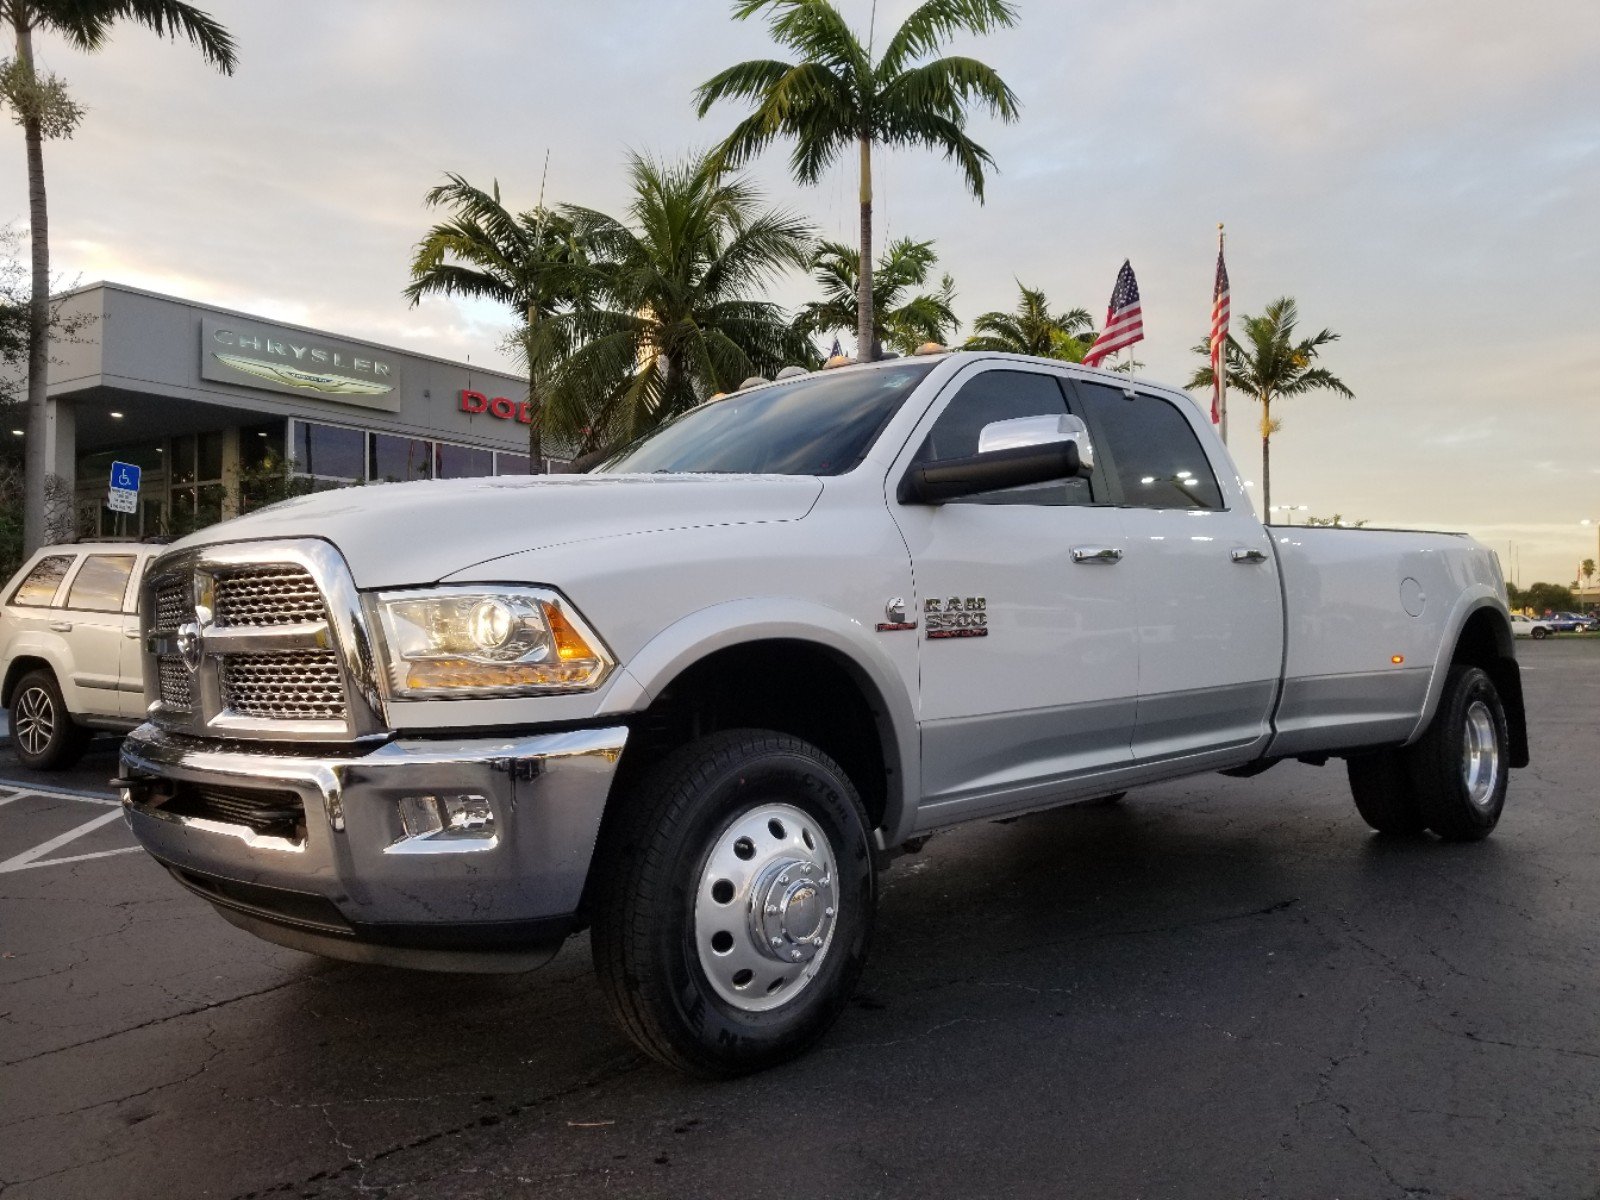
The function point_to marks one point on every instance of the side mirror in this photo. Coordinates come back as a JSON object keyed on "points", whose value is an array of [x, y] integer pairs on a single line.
{"points": [[1039, 431], [1010, 454]]}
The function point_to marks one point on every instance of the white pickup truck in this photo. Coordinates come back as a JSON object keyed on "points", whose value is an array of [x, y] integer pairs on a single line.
{"points": [[695, 700]]}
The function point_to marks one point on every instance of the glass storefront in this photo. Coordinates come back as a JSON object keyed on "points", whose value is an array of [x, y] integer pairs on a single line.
{"points": [[196, 479]]}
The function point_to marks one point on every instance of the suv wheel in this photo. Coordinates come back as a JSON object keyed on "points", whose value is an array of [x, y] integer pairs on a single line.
{"points": [[734, 903], [44, 734]]}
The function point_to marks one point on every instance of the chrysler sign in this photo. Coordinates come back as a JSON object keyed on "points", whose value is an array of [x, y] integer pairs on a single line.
{"points": [[249, 354]]}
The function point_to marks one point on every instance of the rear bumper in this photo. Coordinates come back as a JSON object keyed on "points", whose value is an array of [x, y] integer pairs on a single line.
{"points": [[349, 880]]}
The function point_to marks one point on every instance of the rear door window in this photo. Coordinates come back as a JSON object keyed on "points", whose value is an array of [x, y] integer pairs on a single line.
{"points": [[101, 583], [1150, 448], [39, 588]]}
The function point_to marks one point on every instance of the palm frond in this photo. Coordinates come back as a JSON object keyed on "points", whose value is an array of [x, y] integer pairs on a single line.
{"points": [[935, 22], [87, 23]]}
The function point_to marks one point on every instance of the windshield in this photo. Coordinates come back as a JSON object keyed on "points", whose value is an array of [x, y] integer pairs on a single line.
{"points": [[821, 424]]}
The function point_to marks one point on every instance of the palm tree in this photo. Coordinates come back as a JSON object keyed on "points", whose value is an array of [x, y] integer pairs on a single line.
{"points": [[1034, 329], [1270, 365], [522, 260], [836, 96], [676, 314], [902, 317], [45, 110]]}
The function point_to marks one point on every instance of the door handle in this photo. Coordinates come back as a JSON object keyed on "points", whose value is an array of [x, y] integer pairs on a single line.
{"points": [[131, 633], [61, 626], [1250, 556], [1108, 555]]}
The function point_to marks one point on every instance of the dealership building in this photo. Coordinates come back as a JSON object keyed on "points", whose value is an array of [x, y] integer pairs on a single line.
{"points": [[209, 403]]}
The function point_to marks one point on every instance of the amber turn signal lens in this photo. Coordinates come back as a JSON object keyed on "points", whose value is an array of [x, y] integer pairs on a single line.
{"points": [[1397, 659]]}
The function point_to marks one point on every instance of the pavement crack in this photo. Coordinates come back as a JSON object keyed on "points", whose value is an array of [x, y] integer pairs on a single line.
{"points": [[154, 1021]]}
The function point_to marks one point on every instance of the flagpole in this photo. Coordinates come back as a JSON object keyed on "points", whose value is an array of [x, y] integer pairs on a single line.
{"points": [[1221, 365]]}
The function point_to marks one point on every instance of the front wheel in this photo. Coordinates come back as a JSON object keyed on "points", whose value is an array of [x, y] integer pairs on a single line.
{"points": [[734, 903], [1540, 633], [43, 733]]}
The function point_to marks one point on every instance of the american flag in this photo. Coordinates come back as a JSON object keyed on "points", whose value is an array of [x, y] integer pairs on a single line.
{"points": [[1219, 338], [1124, 325]]}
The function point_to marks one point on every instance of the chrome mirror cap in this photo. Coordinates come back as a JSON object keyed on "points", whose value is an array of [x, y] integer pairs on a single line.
{"points": [[1039, 431]]}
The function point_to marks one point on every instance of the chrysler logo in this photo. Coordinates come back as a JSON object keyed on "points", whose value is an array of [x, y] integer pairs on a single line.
{"points": [[191, 645]]}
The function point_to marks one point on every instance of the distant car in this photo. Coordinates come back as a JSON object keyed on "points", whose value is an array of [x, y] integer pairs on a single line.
{"points": [[1522, 626], [1580, 622], [69, 651], [1566, 622]]}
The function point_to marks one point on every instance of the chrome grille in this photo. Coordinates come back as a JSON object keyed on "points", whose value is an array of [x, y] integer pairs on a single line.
{"points": [[277, 638], [272, 594], [174, 603], [294, 685], [177, 684]]}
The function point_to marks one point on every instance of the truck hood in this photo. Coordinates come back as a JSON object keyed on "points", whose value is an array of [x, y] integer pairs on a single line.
{"points": [[398, 534]]}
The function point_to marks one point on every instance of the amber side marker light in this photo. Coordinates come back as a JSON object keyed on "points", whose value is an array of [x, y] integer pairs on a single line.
{"points": [[1397, 659]]}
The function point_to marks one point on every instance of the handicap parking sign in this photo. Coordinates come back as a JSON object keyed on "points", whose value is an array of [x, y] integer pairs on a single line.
{"points": [[124, 477]]}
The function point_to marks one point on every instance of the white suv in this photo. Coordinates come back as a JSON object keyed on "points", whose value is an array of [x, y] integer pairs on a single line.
{"points": [[69, 650]]}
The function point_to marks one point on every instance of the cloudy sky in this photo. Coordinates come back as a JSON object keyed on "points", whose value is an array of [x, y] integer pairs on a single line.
{"points": [[1423, 175]]}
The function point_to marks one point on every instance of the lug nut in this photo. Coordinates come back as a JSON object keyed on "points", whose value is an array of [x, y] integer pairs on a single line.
{"points": [[827, 912]]}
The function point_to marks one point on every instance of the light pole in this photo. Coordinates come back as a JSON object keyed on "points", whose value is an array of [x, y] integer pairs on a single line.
{"points": [[1290, 509]]}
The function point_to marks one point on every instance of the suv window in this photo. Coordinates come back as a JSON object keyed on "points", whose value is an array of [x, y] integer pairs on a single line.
{"points": [[1151, 448], [101, 583], [39, 588], [1001, 396]]}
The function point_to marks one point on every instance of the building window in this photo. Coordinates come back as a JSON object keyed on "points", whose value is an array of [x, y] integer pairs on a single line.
{"points": [[196, 466], [398, 459], [329, 453], [462, 462], [511, 464]]}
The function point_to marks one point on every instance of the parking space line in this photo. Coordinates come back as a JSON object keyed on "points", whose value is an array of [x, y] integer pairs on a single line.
{"points": [[57, 862], [26, 858], [28, 789]]}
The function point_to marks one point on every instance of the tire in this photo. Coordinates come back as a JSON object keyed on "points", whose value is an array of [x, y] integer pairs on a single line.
{"points": [[693, 867], [1458, 768], [43, 733], [1384, 794], [1539, 633]]}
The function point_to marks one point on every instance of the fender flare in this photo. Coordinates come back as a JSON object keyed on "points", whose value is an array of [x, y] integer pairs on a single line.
{"points": [[738, 622], [1469, 602]]}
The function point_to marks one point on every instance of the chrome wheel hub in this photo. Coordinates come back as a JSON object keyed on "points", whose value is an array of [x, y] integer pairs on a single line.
{"points": [[36, 720], [1480, 755], [766, 907]]}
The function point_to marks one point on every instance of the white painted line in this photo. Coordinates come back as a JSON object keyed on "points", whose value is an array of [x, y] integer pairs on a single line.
{"points": [[56, 862], [60, 793], [26, 858]]}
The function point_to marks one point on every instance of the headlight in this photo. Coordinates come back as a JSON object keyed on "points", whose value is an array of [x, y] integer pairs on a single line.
{"points": [[487, 641]]}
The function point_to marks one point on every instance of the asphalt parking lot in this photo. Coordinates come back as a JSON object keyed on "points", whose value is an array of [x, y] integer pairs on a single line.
{"points": [[1220, 988]]}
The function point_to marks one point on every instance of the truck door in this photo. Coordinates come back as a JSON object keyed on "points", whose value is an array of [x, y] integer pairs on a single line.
{"points": [[1202, 573], [1024, 617]]}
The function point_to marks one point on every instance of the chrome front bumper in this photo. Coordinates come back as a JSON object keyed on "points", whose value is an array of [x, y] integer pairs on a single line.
{"points": [[354, 880]]}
